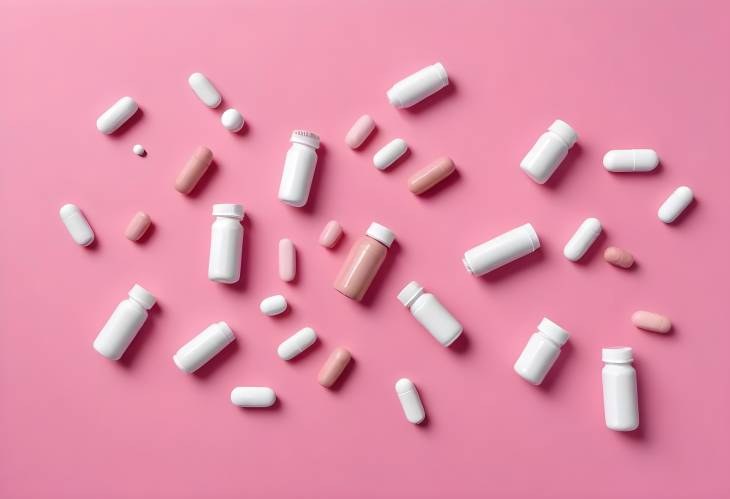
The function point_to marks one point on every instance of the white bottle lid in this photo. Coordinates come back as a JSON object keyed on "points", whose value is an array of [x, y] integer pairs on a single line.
{"points": [[553, 331], [564, 131], [228, 210], [381, 233], [619, 355], [305, 137], [142, 296], [410, 293], [226, 330]]}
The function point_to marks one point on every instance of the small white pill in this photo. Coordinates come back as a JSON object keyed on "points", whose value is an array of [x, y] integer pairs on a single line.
{"points": [[77, 225], [297, 343], [232, 120], [631, 160], [205, 90], [253, 396], [410, 400], [582, 239], [389, 154], [675, 204], [138, 149], [273, 305], [117, 115]]}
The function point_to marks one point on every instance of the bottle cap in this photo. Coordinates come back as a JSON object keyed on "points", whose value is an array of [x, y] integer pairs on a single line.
{"points": [[381, 233], [620, 355], [225, 329], [142, 296], [310, 139], [228, 210], [564, 131], [410, 293], [553, 331], [534, 240]]}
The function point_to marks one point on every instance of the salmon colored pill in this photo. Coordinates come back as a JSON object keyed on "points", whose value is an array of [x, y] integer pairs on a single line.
{"points": [[431, 175], [139, 224], [194, 170], [331, 234], [333, 367], [618, 257], [287, 260], [651, 322], [360, 131]]}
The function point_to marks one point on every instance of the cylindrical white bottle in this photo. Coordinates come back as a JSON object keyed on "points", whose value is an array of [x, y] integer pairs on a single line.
{"points": [[430, 313], [299, 165], [501, 250], [620, 395], [226, 244], [549, 151], [416, 87], [541, 351], [124, 323], [196, 352]]}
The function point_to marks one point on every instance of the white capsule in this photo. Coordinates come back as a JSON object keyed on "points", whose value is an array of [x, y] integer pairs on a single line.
{"points": [[253, 396], [389, 154], [410, 400], [206, 345], [138, 149], [273, 305], [631, 160], [297, 343], [205, 90], [416, 87], [232, 120], [675, 204], [582, 239], [76, 224], [117, 115]]}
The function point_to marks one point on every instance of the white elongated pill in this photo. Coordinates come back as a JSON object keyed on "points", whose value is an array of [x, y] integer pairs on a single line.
{"points": [[675, 204], [416, 87], [273, 305], [582, 239], [77, 225], [410, 400], [389, 154], [206, 345], [253, 396], [205, 90], [631, 160], [117, 115], [297, 343], [232, 120]]}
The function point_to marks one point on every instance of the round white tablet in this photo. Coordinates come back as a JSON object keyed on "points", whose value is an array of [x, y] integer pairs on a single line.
{"points": [[232, 120]]}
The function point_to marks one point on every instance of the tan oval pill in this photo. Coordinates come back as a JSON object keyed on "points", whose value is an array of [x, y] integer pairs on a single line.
{"points": [[334, 366], [618, 257], [194, 170], [651, 322], [138, 226], [331, 233], [360, 131], [431, 175]]}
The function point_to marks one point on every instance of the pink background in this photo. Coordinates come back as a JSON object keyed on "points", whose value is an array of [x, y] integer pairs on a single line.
{"points": [[623, 73]]}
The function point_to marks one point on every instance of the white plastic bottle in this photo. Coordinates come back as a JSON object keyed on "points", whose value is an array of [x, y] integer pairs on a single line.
{"points": [[299, 165], [501, 250], [430, 313], [549, 151], [541, 351], [620, 395], [416, 87], [206, 345], [124, 323], [226, 244]]}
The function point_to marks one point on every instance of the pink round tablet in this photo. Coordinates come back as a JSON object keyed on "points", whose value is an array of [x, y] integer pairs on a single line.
{"points": [[651, 322], [618, 257], [137, 227], [360, 131], [331, 233]]}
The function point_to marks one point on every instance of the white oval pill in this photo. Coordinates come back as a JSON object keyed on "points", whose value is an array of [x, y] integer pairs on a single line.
{"points": [[273, 305], [253, 396], [232, 120], [631, 160], [115, 116], [410, 400], [77, 225], [675, 204], [205, 90], [138, 149], [297, 343], [582, 239], [389, 154]]}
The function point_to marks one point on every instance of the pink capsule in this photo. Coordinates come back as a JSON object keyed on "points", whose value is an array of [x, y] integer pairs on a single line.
{"points": [[193, 170], [651, 321], [360, 131], [333, 368], [435, 172], [287, 260], [618, 257], [331, 234], [137, 227]]}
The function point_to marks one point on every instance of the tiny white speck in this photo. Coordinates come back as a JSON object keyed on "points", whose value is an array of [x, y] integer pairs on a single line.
{"points": [[139, 150]]}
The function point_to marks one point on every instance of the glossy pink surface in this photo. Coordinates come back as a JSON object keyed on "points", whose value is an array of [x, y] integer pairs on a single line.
{"points": [[623, 73]]}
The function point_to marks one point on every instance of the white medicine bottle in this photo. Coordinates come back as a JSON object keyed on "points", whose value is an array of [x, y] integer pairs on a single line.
{"points": [[549, 151], [226, 244], [299, 165], [124, 323], [430, 313], [620, 395], [541, 351]]}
